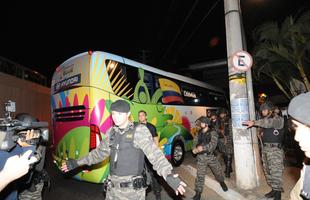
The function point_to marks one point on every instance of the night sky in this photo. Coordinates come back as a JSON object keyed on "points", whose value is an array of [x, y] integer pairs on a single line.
{"points": [[174, 33]]}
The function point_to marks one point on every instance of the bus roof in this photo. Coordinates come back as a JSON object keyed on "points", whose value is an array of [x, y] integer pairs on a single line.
{"points": [[153, 69]]}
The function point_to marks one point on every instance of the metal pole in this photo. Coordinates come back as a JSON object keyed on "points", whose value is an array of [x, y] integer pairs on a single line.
{"points": [[246, 176]]}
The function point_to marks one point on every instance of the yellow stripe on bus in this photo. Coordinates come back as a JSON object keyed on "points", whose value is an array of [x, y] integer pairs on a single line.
{"points": [[117, 83]]}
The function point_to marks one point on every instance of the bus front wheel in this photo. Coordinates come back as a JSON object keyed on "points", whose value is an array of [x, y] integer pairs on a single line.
{"points": [[178, 152]]}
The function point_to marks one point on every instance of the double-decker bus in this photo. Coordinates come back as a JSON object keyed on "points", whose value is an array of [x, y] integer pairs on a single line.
{"points": [[84, 86]]}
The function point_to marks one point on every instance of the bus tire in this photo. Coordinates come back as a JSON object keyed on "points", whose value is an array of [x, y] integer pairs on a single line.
{"points": [[177, 153]]}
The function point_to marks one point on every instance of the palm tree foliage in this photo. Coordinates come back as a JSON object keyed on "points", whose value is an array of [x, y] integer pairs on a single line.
{"points": [[282, 52]]}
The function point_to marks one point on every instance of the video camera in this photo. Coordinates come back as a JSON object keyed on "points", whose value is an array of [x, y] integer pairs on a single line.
{"points": [[13, 129]]}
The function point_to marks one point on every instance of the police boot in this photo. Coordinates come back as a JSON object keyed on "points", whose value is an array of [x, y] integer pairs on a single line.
{"points": [[270, 194], [197, 196], [277, 195], [228, 167], [224, 186]]}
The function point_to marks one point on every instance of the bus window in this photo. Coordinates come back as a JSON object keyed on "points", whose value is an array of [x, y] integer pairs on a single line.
{"points": [[123, 78], [216, 100]]}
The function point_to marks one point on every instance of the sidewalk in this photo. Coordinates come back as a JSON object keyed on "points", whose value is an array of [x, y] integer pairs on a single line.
{"points": [[213, 191]]}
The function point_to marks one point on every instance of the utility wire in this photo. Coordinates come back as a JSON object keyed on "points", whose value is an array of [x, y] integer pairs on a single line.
{"points": [[179, 31], [198, 26]]}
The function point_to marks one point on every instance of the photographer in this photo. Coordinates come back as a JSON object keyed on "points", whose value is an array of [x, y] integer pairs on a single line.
{"points": [[16, 137]]}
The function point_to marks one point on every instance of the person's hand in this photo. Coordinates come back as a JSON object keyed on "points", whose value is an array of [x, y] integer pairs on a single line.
{"points": [[17, 166], [69, 165], [249, 124], [29, 135], [175, 183], [64, 167], [181, 188], [199, 149]]}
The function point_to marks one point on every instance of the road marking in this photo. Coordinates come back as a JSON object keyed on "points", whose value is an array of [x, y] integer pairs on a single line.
{"points": [[214, 185]]}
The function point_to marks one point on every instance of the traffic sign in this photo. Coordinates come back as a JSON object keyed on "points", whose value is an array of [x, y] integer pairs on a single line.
{"points": [[242, 61]]}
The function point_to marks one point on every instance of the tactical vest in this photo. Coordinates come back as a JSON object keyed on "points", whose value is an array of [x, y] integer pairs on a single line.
{"points": [[125, 159], [204, 138], [272, 135]]}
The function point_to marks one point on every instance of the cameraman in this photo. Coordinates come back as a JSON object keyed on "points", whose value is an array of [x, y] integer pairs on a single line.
{"points": [[10, 192]]}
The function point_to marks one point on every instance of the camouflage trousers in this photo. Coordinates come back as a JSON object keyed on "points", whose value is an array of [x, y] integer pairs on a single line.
{"points": [[127, 193], [273, 166], [226, 149], [36, 195], [203, 161]]}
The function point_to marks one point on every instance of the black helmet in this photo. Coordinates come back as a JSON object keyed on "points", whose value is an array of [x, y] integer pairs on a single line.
{"points": [[266, 106], [199, 119], [205, 120], [222, 110], [25, 117]]}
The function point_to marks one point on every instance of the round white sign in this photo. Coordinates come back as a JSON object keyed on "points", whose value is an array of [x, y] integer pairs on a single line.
{"points": [[242, 61]]}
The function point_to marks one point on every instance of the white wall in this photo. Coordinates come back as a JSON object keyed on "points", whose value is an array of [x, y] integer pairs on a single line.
{"points": [[30, 97]]}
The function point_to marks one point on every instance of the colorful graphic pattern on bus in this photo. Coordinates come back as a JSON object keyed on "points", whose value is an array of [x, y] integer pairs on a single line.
{"points": [[171, 91]]}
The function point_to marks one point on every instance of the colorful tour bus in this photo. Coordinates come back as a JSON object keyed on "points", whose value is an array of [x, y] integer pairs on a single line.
{"points": [[84, 86]]}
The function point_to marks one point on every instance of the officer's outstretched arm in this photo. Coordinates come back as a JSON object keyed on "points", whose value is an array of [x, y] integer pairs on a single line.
{"points": [[143, 140], [275, 122], [95, 156]]}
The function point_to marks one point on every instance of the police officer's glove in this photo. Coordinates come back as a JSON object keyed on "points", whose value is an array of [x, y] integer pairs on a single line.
{"points": [[173, 182], [71, 164]]}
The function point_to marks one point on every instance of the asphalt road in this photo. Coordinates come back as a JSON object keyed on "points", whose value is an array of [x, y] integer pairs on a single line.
{"points": [[65, 188]]}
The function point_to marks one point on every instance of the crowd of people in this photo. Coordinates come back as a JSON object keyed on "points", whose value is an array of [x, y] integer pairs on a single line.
{"points": [[130, 145]]}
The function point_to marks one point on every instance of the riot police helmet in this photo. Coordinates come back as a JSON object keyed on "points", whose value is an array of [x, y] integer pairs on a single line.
{"points": [[205, 120], [266, 106]]}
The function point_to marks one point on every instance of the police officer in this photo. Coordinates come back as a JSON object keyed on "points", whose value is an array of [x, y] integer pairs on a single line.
{"points": [[204, 144], [142, 115], [299, 109], [126, 146], [225, 142], [214, 121], [272, 150]]}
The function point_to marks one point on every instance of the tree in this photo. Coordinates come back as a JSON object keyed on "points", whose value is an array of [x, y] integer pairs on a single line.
{"points": [[281, 52]]}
